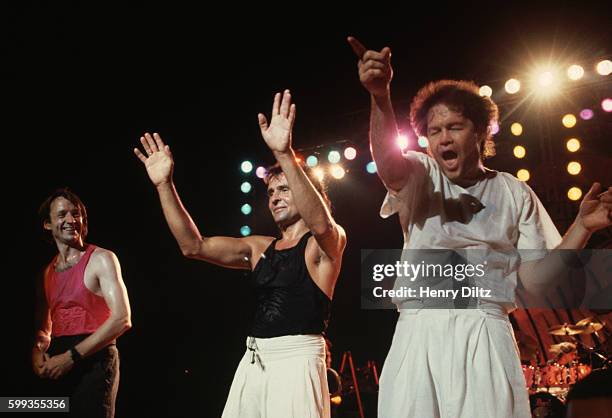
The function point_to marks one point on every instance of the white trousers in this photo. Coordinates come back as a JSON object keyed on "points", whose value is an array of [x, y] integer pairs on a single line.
{"points": [[447, 363], [281, 377]]}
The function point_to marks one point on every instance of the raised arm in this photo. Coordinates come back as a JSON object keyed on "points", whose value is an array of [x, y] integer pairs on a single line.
{"points": [[224, 251], [278, 136], [375, 74]]}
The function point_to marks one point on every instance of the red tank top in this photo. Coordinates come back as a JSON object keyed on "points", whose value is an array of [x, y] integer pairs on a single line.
{"points": [[74, 308]]}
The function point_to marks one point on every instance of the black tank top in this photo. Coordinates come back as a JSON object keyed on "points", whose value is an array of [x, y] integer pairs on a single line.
{"points": [[288, 301]]}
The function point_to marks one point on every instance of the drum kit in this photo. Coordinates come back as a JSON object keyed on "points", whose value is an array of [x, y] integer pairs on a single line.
{"points": [[570, 361]]}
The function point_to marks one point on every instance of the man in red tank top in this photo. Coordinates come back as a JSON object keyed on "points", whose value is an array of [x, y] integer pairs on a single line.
{"points": [[82, 308]]}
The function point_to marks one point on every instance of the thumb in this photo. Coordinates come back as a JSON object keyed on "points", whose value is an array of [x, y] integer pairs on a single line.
{"points": [[263, 122], [386, 51]]}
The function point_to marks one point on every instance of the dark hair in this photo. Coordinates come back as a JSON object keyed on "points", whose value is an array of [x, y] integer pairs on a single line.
{"points": [[462, 97], [319, 185], [44, 211]]}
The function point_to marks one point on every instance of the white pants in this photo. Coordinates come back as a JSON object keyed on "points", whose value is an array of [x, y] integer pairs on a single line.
{"points": [[281, 377], [447, 363]]}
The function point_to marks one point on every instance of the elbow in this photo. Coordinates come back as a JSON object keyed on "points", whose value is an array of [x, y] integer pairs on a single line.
{"points": [[123, 324], [192, 250]]}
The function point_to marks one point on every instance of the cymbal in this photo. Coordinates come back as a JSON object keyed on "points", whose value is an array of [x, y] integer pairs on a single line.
{"points": [[566, 329], [589, 325], [562, 348]]}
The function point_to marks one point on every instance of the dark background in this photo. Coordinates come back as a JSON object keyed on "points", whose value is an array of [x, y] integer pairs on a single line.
{"points": [[80, 85]]}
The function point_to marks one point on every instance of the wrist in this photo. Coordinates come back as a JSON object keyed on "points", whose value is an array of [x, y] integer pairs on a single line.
{"points": [[164, 185], [73, 355], [284, 155]]}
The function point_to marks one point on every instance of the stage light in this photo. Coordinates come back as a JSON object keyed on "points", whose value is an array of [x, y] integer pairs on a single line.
{"points": [[298, 159], [485, 91], [318, 173], [574, 193], [350, 153], [336, 400], [423, 142], [516, 129], [312, 161], [586, 114], [246, 209], [245, 230], [246, 187], [606, 105], [260, 172], [572, 145], [246, 167], [333, 157], [569, 120], [337, 172], [575, 72], [523, 174], [604, 67], [546, 79], [402, 141], [545, 82], [494, 127], [574, 168], [371, 167], [519, 151], [512, 86]]}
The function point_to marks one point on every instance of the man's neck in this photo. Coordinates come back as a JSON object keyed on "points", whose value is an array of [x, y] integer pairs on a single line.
{"points": [[294, 231], [68, 252]]}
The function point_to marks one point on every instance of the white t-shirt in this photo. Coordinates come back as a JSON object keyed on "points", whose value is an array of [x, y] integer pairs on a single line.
{"points": [[497, 214]]}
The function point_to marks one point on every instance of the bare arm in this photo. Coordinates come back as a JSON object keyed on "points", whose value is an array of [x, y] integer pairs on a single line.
{"points": [[375, 74], [595, 213], [224, 251], [42, 338], [106, 268], [315, 213]]}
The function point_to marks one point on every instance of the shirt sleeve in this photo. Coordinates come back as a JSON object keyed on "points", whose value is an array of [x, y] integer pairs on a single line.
{"points": [[537, 232], [418, 164]]}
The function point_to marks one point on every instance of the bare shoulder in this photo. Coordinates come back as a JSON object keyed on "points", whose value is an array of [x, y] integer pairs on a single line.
{"points": [[104, 260]]}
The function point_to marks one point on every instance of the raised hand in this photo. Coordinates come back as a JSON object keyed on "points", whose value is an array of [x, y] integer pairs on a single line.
{"points": [[278, 134], [596, 209], [158, 162], [375, 70]]}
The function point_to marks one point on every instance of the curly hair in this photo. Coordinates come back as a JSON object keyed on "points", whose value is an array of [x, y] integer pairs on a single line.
{"points": [[462, 97]]}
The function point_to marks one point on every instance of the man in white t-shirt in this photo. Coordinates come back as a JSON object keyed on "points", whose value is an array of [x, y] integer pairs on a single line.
{"points": [[460, 362]]}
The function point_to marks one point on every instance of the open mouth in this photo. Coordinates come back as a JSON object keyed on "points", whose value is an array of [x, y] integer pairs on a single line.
{"points": [[449, 155], [450, 159]]}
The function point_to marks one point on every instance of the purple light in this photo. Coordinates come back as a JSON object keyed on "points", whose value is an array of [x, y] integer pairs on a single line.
{"points": [[494, 128], [586, 114], [260, 172]]}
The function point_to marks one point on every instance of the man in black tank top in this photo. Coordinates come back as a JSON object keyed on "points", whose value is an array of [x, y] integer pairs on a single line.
{"points": [[282, 373]]}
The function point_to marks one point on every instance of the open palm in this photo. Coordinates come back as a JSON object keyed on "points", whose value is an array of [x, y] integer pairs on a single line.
{"points": [[158, 162], [278, 134]]}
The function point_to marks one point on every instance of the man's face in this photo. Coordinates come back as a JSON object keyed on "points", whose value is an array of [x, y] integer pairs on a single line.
{"points": [[280, 201], [453, 143], [65, 221]]}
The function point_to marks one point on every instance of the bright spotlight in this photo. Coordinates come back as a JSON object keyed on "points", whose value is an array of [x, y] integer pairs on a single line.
{"points": [[574, 193], [512, 86], [246, 209], [606, 105], [245, 231], [246, 167], [319, 173], [333, 157], [494, 128], [485, 91], [575, 72], [604, 67], [569, 120], [516, 129], [586, 114], [260, 172], [337, 172], [350, 153], [312, 161], [371, 167], [572, 145], [423, 142], [574, 168], [523, 174], [402, 141], [246, 187], [519, 151]]}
